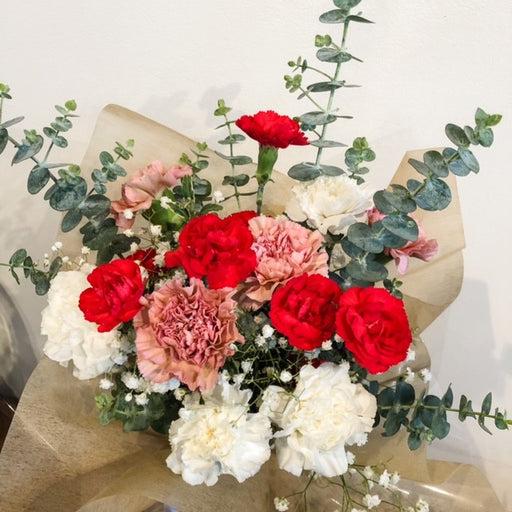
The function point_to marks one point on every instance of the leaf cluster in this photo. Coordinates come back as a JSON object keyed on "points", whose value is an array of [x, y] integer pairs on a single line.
{"points": [[158, 413], [318, 120], [366, 245], [425, 417], [40, 278], [235, 180]]}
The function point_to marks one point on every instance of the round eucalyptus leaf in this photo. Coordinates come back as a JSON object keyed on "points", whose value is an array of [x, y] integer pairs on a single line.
{"points": [[435, 195], [317, 118], [458, 167], [71, 220], [239, 180], [202, 187], [382, 204], [327, 144], [456, 135], [435, 162], [471, 135], [325, 86], [333, 55], [485, 137], [402, 226], [367, 270], [65, 196], [388, 238], [362, 236], [304, 171], [420, 167], [26, 151], [352, 250], [94, 205], [469, 160], [331, 170], [37, 179], [18, 258], [333, 16]]}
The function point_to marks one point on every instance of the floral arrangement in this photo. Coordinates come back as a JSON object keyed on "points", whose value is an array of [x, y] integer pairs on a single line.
{"points": [[238, 333]]}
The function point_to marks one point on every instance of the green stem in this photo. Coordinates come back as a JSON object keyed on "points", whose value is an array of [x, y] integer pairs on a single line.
{"points": [[435, 408], [331, 96], [231, 153]]}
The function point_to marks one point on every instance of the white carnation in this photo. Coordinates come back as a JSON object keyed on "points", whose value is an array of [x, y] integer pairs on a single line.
{"points": [[218, 436], [330, 203], [70, 336], [326, 413]]}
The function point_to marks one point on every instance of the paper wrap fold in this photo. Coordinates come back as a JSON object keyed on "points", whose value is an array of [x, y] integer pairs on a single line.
{"points": [[57, 457]]}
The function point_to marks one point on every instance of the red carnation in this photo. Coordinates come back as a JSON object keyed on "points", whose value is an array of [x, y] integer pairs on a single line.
{"points": [[215, 248], [145, 258], [304, 310], [271, 129], [115, 294], [374, 326]]}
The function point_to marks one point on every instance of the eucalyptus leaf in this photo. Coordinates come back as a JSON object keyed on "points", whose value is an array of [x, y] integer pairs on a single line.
{"points": [[435, 195], [331, 170], [18, 258], [71, 220], [26, 151], [358, 19], [388, 238], [440, 426], [352, 250], [304, 171], [317, 118], [367, 270], [333, 16], [239, 180], [402, 226], [420, 167], [486, 137], [37, 179], [435, 162], [361, 235], [326, 144], [455, 163], [11, 122], [333, 55], [469, 160], [4, 137], [94, 205], [456, 135], [202, 188], [325, 86], [66, 195]]}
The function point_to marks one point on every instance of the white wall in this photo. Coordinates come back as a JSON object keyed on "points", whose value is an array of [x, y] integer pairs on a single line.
{"points": [[426, 63]]}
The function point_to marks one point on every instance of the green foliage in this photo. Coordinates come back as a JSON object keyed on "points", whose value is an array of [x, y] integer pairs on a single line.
{"points": [[426, 417], [157, 413]]}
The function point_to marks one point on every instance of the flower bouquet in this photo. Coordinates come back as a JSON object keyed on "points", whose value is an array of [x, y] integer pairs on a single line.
{"points": [[240, 313]]}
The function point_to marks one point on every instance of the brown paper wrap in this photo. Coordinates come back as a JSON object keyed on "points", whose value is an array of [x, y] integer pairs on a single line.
{"points": [[57, 457]]}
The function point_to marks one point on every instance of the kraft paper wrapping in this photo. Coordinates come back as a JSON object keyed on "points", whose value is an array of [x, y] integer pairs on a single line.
{"points": [[57, 457]]}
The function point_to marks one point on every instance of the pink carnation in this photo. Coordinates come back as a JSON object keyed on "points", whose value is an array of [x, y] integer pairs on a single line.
{"points": [[186, 332], [284, 250], [422, 248], [142, 187]]}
